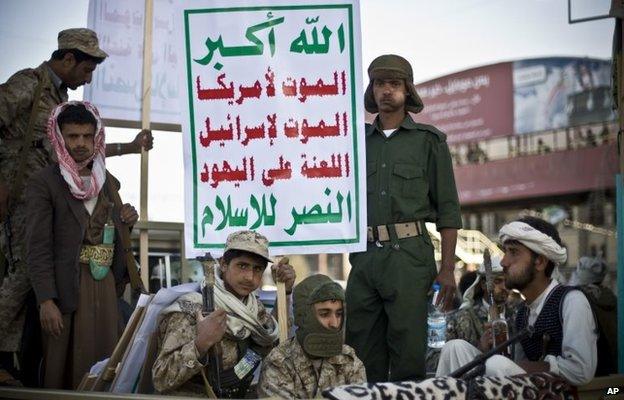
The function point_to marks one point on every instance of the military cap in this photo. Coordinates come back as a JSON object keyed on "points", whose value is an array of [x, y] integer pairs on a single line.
{"points": [[391, 66], [82, 39], [249, 241]]}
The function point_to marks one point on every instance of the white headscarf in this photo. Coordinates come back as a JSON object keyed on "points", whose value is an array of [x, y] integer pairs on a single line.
{"points": [[468, 299], [535, 240]]}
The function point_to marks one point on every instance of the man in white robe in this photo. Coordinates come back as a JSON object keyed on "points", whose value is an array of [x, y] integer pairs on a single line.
{"points": [[565, 335]]}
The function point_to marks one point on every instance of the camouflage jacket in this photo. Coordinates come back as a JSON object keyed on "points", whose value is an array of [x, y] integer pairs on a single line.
{"points": [[468, 323], [289, 373], [16, 102], [177, 368]]}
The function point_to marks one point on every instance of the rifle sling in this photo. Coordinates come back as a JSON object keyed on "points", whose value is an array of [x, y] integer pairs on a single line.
{"points": [[124, 233], [18, 183]]}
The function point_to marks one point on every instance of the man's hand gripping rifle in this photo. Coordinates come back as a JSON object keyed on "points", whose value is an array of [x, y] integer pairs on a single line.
{"points": [[213, 358], [476, 366]]}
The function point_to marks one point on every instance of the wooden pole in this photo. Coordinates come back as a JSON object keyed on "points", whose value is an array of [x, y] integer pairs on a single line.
{"points": [[282, 311], [322, 264], [146, 106]]}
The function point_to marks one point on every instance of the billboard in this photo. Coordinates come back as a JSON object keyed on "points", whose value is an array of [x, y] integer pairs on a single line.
{"points": [[471, 105], [558, 92], [518, 97]]}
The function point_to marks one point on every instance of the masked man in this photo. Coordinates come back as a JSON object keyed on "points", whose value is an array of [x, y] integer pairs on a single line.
{"points": [[75, 260], [240, 326], [564, 330], [317, 358]]}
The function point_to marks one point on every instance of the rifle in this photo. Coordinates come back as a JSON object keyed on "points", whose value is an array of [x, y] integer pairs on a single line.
{"points": [[500, 331], [213, 358], [463, 372]]}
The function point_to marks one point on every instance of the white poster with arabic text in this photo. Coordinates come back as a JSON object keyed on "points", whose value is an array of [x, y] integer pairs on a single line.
{"points": [[273, 124], [117, 83]]}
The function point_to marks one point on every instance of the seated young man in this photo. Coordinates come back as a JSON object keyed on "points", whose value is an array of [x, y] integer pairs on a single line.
{"points": [[316, 358], [241, 326], [564, 337]]}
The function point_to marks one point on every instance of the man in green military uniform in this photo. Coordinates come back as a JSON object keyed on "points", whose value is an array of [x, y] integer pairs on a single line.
{"points": [[317, 358], [409, 182], [26, 101]]}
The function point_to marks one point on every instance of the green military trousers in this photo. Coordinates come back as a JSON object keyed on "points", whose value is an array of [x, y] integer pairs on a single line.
{"points": [[387, 298]]}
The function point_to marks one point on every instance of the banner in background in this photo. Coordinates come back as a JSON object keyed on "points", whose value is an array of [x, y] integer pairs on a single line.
{"points": [[273, 124], [117, 83]]}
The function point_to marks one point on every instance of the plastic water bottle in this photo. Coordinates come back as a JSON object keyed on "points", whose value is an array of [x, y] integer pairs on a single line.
{"points": [[436, 322]]}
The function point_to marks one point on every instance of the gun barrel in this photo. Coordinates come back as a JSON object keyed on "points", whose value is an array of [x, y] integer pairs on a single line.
{"points": [[458, 373], [213, 357]]}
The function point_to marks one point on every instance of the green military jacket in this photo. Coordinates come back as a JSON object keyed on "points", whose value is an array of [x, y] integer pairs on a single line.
{"points": [[16, 102], [469, 323], [410, 176]]}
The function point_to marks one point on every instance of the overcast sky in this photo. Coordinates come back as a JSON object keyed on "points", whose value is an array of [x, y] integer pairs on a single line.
{"points": [[437, 36]]}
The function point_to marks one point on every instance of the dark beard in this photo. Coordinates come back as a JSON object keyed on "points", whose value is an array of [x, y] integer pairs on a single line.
{"points": [[522, 282]]}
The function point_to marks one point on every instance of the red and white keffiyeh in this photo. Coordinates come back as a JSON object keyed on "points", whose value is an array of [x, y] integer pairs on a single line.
{"points": [[69, 168]]}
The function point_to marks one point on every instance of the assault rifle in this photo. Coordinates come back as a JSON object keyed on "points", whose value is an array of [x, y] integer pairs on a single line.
{"points": [[213, 357], [475, 367], [500, 330]]}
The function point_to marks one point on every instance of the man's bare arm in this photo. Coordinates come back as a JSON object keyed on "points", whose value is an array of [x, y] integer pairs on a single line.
{"points": [[446, 275]]}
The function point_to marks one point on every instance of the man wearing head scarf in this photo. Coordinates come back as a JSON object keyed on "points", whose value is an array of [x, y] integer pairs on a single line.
{"points": [[564, 335], [468, 323], [26, 101], [590, 272], [409, 182], [75, 258], [240, 326], [588, 277], [316, 358]]}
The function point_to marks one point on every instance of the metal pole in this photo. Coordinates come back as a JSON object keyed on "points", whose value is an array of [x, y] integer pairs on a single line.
{"points": [[620, 267], [168, 270], [620, 203], [183, 260], [146, 105]]}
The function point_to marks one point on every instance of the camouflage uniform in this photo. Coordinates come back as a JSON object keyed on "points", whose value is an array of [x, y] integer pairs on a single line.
{"points": [[468, 324], [288, 372], [177, 369], [16, 102]]}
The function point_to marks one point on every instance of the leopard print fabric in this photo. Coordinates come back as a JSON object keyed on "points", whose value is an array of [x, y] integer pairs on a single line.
{"points": [[541, 386]]}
